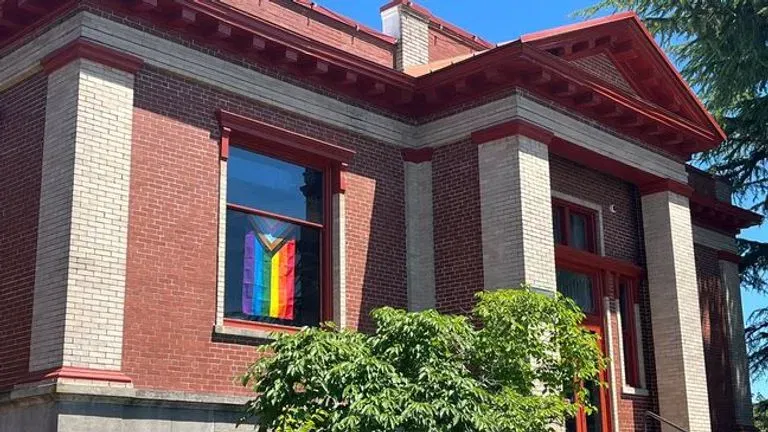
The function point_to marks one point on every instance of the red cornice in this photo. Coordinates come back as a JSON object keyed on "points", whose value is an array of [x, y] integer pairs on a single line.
{"points": [[728, 256], [510, 128], [666, 185], [520, 64], [625, 39], [308, 145], [81, 49], [418, 155], [721, 216], [67, 372]]}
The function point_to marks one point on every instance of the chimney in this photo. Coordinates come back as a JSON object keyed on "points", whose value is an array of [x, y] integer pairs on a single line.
{"points": [[408, 23]]}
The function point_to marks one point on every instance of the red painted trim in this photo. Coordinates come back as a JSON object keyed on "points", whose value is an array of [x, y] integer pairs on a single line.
{"points": [[291, 140], [226, 132], [589, 214], [622, 27], [418, 155], [666, 185], [82, 49], [558, 31], [257, 212], [67, 372], [259, 326], [567, 254], [510, 128], [629, 332], [620, 98], [340, 179], [295, 148], [729, 256], [727, 210]]}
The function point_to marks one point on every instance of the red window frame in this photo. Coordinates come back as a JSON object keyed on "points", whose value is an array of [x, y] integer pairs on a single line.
{"points": [[291, 147], [565, 209], [593, 319], [627, 293]]}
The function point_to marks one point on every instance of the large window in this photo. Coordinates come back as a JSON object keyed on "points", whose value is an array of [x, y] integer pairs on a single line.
{"points": [[579, 287], [274, 240], [575, 226]]}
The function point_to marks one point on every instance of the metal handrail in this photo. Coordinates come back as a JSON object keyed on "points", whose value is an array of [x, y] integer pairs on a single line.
{"points": [[660, 419]]}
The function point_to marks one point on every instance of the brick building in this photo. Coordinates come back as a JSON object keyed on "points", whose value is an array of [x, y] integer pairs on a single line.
{"points": [[182, 177]]}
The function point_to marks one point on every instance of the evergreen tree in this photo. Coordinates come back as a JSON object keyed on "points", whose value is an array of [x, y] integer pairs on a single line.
{"points": [[722, 48]]}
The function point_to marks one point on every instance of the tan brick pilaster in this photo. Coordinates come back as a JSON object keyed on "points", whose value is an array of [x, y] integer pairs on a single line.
{"points": [[83, 223], [675, 311], [516, 207]]}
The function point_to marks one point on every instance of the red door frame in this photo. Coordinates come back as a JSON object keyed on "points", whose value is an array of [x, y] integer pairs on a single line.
{"points": [[595, 323]]}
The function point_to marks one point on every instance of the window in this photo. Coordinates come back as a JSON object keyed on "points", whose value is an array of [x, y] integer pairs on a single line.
{"points": [[579, 287], [575, 226], [630, 332], [274, 240]]}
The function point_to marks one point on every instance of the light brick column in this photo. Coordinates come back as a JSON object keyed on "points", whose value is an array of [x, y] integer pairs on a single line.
{"points": [[83, 224], [419, 243], [411, 28], [516, 207], [675, 310], [742, 393]]}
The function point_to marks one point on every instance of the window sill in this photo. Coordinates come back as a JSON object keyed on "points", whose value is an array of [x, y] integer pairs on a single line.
{"points": [[634, 391], [252, 330]]}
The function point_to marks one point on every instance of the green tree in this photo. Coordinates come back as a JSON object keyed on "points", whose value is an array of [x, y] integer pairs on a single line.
{"points": [[722, 47], [505, 368]]}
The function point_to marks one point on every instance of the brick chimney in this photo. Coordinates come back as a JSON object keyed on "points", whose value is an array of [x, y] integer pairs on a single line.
{"points": [[410, 25]]}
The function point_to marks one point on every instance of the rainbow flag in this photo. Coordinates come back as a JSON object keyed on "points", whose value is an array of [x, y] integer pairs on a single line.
{"points": [[269, 269]]}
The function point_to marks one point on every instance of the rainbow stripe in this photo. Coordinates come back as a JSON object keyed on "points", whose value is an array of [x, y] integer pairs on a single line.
{"points": [[269, 279]]}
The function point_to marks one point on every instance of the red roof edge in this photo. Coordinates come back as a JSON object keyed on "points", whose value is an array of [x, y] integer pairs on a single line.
{"points": [[434, 20], [357, 26], [543, 34], [680, 79], [631, 17]]}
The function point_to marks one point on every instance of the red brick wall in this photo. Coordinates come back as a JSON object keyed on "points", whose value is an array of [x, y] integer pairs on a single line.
{"points": [[443, 46], [620, 229], [713, 323], [308, 23], [170, 301], [22, 124], [702, 183], [601, 66], [457, 226]]}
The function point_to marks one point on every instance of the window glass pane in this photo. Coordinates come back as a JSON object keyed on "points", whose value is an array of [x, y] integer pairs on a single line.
{"points": [[557, 222], [264, 183], [579, 237], [627, 333], [272, 271], [595, 420], [578, 287], [624, 306]]}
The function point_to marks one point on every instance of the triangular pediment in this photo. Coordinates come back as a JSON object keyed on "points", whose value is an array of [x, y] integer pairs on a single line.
{"points": [[619, 50]]}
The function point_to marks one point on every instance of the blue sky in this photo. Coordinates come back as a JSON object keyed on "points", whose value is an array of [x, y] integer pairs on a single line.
{"points": [[504, 20]]}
